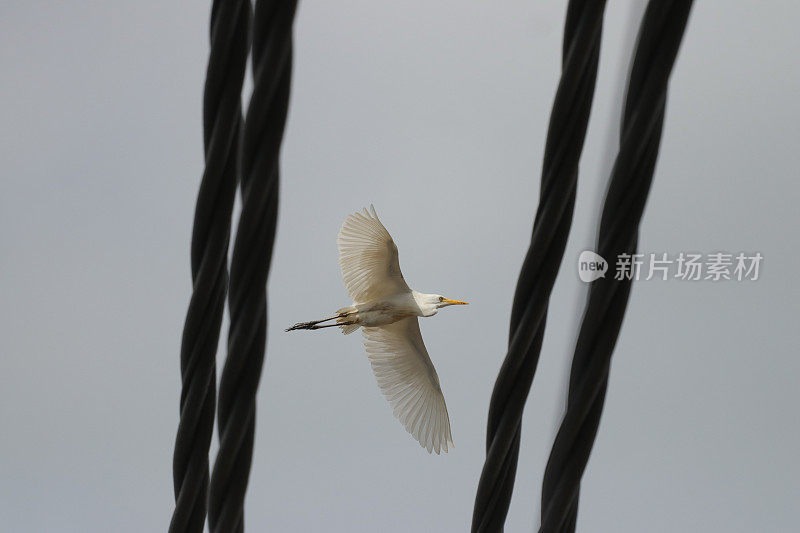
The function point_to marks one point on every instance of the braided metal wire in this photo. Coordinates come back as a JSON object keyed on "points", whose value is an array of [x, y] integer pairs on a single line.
{"points": [[565, 137], [222, 118], [250, 263], [660, 36]]}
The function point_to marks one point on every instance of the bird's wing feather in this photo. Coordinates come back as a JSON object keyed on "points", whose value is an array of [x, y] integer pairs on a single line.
{"points": [[368, 258], [408, 380]]}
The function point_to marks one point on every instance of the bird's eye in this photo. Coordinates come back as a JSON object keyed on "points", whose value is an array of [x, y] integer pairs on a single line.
{"points": [[441, 298]]}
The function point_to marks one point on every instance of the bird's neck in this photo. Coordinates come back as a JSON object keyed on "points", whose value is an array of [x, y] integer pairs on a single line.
{"points": [[426, 303]]}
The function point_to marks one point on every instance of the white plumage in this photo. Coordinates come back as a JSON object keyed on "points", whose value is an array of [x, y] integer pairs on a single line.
{"points": [[368, 258], [387, 309], [409, 382]]}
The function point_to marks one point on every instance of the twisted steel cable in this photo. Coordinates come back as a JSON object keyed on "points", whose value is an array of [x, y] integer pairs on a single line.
{"points": [[566, 133], [250, 263], [222, 118], [660, 36]]}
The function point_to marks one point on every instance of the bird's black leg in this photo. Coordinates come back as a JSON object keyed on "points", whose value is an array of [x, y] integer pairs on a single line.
{"points": [[314, 326], [313, 323]]}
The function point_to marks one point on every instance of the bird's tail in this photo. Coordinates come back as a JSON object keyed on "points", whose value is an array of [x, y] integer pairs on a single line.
{"points": [[347, 329], [345, 319]]}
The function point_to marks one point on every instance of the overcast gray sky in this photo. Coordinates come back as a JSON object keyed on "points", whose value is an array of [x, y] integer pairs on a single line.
{"points": [[436, 112]]}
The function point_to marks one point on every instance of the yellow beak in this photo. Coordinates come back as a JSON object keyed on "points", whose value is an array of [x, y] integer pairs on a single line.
{"points": [[454, 302]]}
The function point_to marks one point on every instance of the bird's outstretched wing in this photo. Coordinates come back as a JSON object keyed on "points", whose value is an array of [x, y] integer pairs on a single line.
{"points": [[368, 258], [408, 380]]}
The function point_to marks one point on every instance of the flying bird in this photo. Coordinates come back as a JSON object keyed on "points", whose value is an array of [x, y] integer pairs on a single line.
{"points": [[386, 310]]}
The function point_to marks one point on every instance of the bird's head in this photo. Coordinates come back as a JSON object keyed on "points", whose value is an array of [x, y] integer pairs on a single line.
{"points": [[431, 303]]}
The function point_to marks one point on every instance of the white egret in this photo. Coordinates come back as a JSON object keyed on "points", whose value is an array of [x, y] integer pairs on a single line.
{"points": [[387, 309]]}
